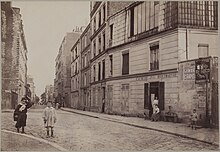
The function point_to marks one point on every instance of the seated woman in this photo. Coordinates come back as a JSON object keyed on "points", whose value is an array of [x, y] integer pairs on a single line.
{"points": [[156, 114]]}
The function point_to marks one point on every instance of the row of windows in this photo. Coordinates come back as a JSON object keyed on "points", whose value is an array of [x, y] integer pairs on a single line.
{"points": [[99, 19], [85, 60], [75, 83], [144, 17], [97, 49], [203, 51]]}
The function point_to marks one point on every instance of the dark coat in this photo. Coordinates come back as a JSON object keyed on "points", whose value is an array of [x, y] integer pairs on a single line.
{"points": [[22, 115]]}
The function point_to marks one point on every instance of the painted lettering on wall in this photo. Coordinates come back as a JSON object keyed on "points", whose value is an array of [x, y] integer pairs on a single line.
{"points": [[161, 76]]}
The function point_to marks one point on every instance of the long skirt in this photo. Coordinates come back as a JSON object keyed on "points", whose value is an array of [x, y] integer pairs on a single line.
{"points": [[155, 117], [22, 117]]}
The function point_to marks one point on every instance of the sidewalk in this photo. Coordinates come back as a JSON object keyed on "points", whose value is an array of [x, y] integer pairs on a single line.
{"points": [[12, 141], [206, 135]]}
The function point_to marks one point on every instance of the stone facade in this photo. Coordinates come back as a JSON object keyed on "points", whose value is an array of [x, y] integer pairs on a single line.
{"points": [[14, 56]]}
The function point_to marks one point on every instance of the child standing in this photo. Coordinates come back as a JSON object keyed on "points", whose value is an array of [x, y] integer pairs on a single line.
{"points": [[49, 117], [194, 118]]}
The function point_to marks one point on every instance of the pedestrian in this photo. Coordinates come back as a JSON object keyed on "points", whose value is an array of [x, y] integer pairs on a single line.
{"points": [[156, 114], [50, 118], [194, 118], [103, 105], [155, 102], [20, 114]]}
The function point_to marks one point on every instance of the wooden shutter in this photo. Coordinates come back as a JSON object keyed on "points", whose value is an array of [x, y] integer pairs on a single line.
{"points": [[146, 96], [161, 95]]}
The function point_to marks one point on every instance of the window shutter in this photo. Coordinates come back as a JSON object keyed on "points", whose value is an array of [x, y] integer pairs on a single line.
{"points": [[161, 95], [146, 96]]}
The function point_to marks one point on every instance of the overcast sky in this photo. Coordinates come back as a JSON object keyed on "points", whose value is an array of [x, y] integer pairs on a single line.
{"points": [[45, 25]]}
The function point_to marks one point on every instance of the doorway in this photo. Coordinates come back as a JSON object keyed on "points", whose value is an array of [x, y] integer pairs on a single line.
{"points": [[154, 93]]}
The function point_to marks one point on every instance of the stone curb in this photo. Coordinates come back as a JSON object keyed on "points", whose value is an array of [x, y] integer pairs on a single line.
{"points": [[144, 127], [38, 139]]}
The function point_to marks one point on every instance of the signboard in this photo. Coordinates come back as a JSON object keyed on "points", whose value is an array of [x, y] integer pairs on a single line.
{"points": [[153, 77], [202, 70], [189, 71]]}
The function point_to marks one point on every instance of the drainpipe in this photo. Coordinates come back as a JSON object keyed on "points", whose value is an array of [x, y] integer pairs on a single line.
{"points": [[187, 43]]}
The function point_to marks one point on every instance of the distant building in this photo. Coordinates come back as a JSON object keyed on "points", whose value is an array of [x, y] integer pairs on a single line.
{"points": [[13, 56], [85, 69], [49, 93], [62, 82], [30, 80]]}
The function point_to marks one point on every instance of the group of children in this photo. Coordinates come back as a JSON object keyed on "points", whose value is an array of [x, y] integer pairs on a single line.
{"points": [[20, 116]]}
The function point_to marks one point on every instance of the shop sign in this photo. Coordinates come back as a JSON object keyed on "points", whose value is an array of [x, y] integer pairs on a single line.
{"points": [[202, 70], [189, 71], [161, 76]]}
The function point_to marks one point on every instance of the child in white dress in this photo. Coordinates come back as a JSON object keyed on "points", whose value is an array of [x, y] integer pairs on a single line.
{"points": [[50, 118]]}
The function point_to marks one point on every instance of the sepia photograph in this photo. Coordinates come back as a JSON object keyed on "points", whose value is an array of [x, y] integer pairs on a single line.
{"points": [[109, 75]]}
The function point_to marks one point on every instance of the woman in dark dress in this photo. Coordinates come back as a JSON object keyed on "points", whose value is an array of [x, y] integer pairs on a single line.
{"points": [[21, 112]]}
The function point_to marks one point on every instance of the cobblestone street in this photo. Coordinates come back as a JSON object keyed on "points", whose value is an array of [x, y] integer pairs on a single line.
{"points": [[77, 132]]}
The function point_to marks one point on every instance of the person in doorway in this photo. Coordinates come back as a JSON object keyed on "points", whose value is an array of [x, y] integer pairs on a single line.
{"points": [[194, 118], [21, 114], [155, 102], [156, 114], [103, 105], [50, 118]]}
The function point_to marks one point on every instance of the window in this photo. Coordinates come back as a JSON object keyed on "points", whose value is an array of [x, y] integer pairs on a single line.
{"points": [[76, 52], [203, 50], [94, 73], [94, 48], [103, 13], [99, 72], [94, 25], [132, 22], [111, 31], [76, 83], [154, 59], [85, 40], [125, 63], [103, 69], [103, 41], [111, 65], [85, 60], [144, 17], [100, 43], [197, 13], [76, 68], [85, 83], [100, 18]]}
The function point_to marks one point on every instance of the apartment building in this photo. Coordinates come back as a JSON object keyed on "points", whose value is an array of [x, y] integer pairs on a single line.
{"points": [[13, 56], [76, 75], [147, 41], [62, 82], [85, 68], [100, 11]]}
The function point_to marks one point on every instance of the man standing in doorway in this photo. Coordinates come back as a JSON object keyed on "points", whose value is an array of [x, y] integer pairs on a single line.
{"points": [[103, 105]]}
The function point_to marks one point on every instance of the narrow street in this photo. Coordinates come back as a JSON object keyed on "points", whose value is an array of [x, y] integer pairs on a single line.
{"points": [[78, 132]]}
